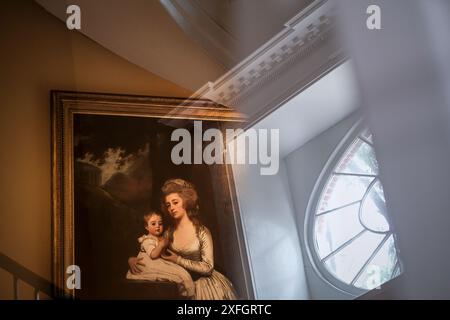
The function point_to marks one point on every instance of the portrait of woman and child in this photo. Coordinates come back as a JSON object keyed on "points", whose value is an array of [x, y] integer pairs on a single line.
{"points": [[178, 248]]}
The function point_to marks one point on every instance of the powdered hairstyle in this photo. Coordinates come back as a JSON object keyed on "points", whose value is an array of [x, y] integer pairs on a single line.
{"points": [[187, 193]]}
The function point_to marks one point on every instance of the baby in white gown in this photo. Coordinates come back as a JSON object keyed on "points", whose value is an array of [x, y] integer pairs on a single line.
{"points": [[157, 269]]}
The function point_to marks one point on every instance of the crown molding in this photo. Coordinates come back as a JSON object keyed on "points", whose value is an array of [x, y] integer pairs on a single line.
{"points": [[304, 50]]}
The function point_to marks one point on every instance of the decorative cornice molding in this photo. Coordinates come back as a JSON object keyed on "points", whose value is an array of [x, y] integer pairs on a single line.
{"points": [[301, 36]]}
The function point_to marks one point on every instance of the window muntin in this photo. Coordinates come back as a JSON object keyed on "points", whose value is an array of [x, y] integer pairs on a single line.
{"points": [[353, 242]]}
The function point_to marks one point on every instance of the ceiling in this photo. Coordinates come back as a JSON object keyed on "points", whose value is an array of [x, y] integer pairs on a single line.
{"points": [[312, 111], [231, 30], [205, 42], [145, 32]]}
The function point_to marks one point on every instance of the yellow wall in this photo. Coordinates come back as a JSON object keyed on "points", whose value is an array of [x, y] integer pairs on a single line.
{"points": [[39, 54]]}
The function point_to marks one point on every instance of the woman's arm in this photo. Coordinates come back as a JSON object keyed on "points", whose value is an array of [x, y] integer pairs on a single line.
{"points": [[206, 265]]}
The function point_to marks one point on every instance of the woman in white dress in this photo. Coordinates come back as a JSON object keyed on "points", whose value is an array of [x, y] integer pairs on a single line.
{"points": [[191, 243]]}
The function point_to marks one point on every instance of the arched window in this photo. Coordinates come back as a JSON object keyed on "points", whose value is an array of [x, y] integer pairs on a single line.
{"points": [[349, 234]]}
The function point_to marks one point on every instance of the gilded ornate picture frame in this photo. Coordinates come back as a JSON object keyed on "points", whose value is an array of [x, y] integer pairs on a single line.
{"points": [[110, 157]]}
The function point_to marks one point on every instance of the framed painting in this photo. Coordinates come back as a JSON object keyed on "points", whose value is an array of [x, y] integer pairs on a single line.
{"points": [[112, 157]]}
